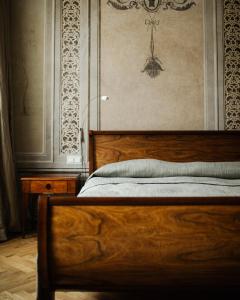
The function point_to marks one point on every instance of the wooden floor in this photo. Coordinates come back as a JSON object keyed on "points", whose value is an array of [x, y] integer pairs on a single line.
{"points": [[18, 272], [18, 277]]}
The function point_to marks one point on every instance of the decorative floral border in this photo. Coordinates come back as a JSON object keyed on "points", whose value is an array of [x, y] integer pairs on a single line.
{"points": [[70, 77], [232, 63], [152, 6]]}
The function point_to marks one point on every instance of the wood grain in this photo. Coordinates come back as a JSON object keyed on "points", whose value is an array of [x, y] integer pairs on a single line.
{"points": [[144, 243], [182, 146], [45, 183], [67, 200], [45, 289], [72, 187], [47, 186], [145, 246], [50, 176]]}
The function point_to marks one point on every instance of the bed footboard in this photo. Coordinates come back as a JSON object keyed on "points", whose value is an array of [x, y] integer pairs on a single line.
{"points": [[110, 244]]}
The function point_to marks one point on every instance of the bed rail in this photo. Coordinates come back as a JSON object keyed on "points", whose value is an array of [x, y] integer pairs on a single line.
{"points": [[112, 244]]}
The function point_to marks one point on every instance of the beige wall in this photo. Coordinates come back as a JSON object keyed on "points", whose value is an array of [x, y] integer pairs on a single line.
{"points": [[174, 99], [27, 39], [188, 43]]}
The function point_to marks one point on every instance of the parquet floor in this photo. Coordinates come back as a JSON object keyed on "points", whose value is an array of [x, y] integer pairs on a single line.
{"points": [[18, 275], [18, 272], [17, 269], [18, 278]]}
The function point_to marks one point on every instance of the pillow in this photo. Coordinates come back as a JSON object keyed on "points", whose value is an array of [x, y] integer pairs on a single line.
{"points": [[158, 168]]}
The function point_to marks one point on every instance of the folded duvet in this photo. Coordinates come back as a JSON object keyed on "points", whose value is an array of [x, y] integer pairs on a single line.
{"points": [[155, 178]]}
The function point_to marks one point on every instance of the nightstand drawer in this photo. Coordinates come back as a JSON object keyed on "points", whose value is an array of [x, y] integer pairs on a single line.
{"points": [[45, 186]]}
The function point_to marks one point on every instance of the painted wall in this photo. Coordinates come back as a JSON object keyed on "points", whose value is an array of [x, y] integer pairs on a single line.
{"points": [[63, 63], [27, 38], [174, 99], [32, 41]]}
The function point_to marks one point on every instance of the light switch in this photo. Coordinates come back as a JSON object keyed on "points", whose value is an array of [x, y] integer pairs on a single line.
{"points": [[73, 159], [104, 98]]}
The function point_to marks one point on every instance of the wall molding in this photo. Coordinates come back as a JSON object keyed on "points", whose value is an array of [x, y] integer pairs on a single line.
{"points": [[81, 93], [213, 65], [46, 155], [221, 100], [95, 66], [56, 111]]}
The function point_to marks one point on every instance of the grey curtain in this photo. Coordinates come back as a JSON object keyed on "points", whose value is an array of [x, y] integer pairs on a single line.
{"points": [[9, 214]]}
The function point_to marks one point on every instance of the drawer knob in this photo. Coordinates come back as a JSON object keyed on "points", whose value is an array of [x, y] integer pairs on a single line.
{"points": [[48, 186]]}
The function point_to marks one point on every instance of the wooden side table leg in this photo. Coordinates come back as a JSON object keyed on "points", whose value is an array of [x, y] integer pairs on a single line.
{"points": [[25, 203], [45, 294]]}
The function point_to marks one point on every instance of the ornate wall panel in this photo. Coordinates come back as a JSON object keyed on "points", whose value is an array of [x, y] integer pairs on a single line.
{"points": [[148, 62], [232, 63], [70, 78], [32, 45], [78, 91]]}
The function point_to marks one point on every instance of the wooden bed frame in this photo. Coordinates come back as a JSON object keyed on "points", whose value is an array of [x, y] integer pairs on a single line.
{"points": [[116, 244]]}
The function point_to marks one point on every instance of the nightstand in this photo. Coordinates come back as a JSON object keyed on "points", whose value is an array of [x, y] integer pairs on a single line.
{"points": [[46, 184]]}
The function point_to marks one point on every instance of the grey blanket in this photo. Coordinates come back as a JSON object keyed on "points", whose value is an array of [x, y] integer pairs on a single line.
{"points": [[153, 178]]}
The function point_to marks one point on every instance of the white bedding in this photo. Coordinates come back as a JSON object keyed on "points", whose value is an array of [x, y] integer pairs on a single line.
{"points": [[157, 187], [163, 179]]}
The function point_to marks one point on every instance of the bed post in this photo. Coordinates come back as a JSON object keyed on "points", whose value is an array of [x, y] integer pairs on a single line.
{"points": [[44, 291], [91, 152]]}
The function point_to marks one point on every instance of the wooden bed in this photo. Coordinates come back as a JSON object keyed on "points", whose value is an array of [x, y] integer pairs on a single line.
{"points": [[116, 244]]}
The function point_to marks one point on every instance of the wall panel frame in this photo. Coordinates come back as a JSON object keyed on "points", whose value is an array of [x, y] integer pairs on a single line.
{"points": [[213, 65], [27, 159], [54, 158]]}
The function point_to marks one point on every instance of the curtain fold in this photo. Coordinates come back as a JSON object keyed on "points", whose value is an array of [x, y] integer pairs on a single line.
{"points": [[9, 212]]}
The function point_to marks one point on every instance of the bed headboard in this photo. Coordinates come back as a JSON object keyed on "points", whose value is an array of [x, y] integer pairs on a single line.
{"points": [[179, 146]]}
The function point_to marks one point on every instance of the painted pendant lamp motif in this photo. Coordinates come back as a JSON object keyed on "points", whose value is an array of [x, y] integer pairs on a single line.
{"points": [[153, 66]]}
